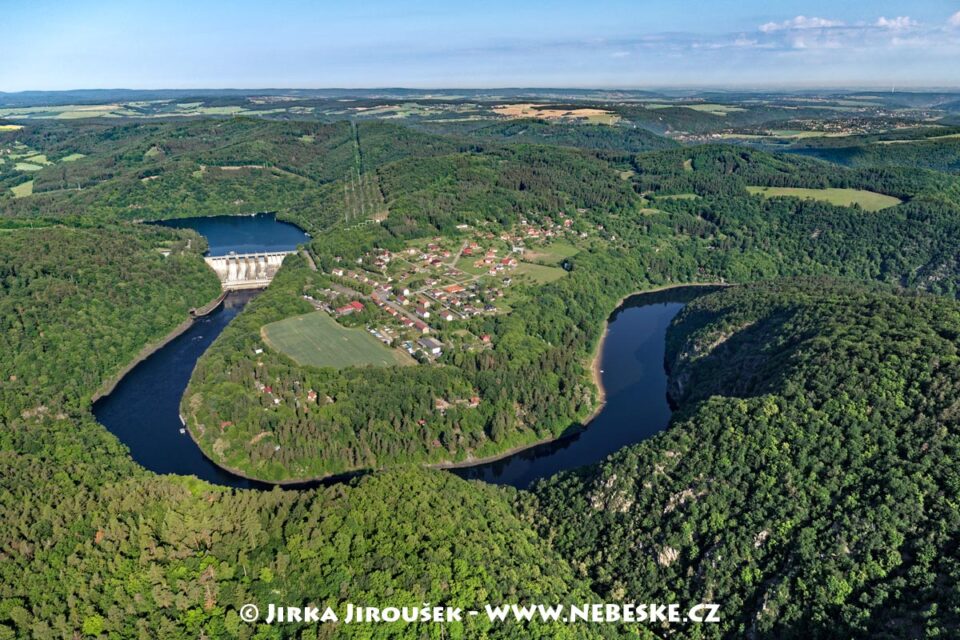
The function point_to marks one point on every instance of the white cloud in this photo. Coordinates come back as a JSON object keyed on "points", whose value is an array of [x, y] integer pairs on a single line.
{"points": [[620, 54], [896, 24], [800, 22], [954, 20]]}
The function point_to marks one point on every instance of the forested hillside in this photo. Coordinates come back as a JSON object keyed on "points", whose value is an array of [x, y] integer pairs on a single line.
{"points": [[809, 481], [623, 139], [86, 301]]}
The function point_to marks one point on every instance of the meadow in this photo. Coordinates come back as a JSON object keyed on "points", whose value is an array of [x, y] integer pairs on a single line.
{"points": [[22, 189], [553, 253], [317, 340], [539, 273], [868, 200]]}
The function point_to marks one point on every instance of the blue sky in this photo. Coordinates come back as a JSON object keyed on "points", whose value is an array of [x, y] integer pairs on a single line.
{"points": [[71, 44]]}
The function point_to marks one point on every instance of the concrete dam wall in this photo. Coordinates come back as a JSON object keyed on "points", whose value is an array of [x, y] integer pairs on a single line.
{"points": [[246, 270]]}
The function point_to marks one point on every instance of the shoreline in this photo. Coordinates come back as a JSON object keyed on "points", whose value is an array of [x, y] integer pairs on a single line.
{"points": [[475, 462], [269, 484], [596, 359], [148, 350]]}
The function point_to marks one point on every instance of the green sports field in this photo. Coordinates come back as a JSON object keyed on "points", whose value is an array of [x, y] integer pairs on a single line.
{"points": [[869, 200], [316, 339]]}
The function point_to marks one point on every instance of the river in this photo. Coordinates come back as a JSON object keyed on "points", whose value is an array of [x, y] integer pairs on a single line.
{"points": [[143, 410]]}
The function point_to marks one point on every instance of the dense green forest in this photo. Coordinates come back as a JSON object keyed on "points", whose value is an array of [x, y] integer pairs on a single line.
{"points": [[807, 483], [627, 138], [941, 155], [809, 480], [85, 301]]}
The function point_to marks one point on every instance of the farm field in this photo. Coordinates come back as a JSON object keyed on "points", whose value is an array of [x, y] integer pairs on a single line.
{"points": [[868, 200], [530, 110], [317, 340]]}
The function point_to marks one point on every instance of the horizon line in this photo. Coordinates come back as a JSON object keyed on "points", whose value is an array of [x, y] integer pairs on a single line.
{"points": [[775, 87]]}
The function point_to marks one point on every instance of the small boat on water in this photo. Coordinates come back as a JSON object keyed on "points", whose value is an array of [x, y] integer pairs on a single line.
{"points": [[183, 430]]}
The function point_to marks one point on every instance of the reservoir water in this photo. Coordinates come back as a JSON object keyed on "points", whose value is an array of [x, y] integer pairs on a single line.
{"points": [[143, 411], [257, 233]]}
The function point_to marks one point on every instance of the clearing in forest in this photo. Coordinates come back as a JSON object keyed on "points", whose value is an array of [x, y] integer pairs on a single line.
{"points": [[868, 200]]}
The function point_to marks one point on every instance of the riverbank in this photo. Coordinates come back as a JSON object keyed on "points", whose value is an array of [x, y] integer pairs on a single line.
{"points": [[474, 462], [148, 350], [269, 484]]}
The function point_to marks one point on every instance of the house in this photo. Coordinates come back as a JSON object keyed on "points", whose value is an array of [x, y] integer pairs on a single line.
{"points": [[430, 345], [421, 326], [422, 312], [312, 395], [347, 309], [446, 315]]}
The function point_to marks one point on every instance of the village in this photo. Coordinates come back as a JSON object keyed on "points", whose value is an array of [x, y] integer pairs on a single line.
{"points": [[411, 298]]}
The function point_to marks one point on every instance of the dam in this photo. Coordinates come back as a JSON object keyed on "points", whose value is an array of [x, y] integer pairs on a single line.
{"points": [[239, 271]]}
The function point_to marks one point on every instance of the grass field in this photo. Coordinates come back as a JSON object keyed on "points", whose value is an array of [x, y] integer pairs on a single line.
{"points": [[465, 264], [11, 127], [714, 109], [22, 190], [538, 273], [316, 339], [679, 196], [553, 253], [73, 157], [868, 200], [26, 166]]}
